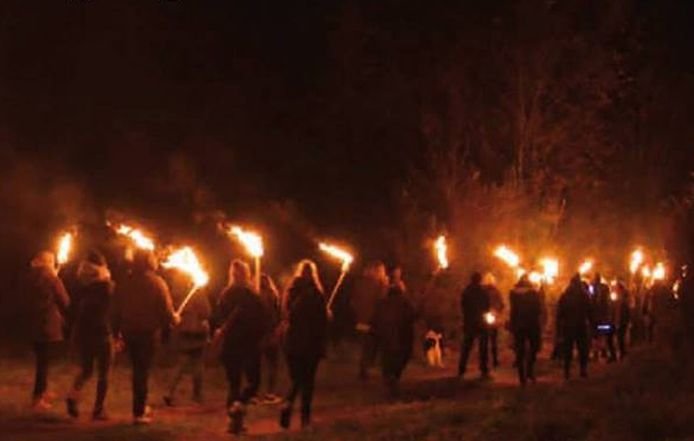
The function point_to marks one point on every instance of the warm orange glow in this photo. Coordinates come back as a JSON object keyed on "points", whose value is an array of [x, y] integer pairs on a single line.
{"points": [[585, 267], [637, 259], [659, 271], [64, 248], [140, 240], [490, 318], [185, 260], [550, 269], [535, 277], [338, 253], [441, 250], [646, 272], [613, 296], [251, 241], [507, 255]]}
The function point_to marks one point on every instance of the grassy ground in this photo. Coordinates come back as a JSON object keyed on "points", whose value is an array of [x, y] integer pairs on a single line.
{"points": [[643, 398]]}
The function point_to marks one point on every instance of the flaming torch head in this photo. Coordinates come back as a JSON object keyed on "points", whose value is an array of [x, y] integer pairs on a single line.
{"points": [[251, 241], [441, 249], [550, 269], [137, 237], [64, 248], [659, 271], [504, 253], [490, 318], [585, 267], [535, 277], [636, 261], [338, 253], [185, 260]]}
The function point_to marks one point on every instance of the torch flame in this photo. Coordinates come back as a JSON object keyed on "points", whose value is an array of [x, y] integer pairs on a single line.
{"points": [[137, 237], [550, 268], [613, 296], [251, 241], [636, 261], [64, 248], [507, 255], [185, 260], [535, 277], [338, 253], [659, 271], [646, 272], [585, 267], [490, 318], [441, 249]]}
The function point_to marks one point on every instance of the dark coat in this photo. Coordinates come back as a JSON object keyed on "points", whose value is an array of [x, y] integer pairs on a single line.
{"points": [[142, 303], [474, 303], [48, 302], [393, 324], [93, 309], [243, 321], [308, 321], [600, 303], [526, 308], [573, 310]]}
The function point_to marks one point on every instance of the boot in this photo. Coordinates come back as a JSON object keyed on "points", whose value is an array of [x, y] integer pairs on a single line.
{"points": [[236, 413], [72, 407], [286, 416]]}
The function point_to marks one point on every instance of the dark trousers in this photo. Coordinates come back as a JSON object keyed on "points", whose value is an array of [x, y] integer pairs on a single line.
{"points": [[368, 353], [43, 352], [271, 360], [141, 349], [526, 345], [91, 350], [578, 339], [191, 362], [302, 372], [236, 366], [612, 352], [622, 339], [469, 337], [494, 345]]}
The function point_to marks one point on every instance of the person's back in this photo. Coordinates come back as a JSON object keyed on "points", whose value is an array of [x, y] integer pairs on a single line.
{"points": [[48, 302], [307, 332], [601, 303], [526, 308], [143, 303], [574, 308], [93, 308], [474, 304], [245, 319], [393, 323]]}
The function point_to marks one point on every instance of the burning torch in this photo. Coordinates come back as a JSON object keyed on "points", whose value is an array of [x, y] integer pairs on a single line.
{"points": [[185, 260], [254, 246], [64, 249], [441, 251], [346, 259]]}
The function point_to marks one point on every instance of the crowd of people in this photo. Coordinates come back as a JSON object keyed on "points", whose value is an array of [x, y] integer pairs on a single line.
{"points": [[248, 329]]}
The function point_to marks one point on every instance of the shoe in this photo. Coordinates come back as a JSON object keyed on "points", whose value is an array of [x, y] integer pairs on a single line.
{"points": [[271, 399], [235, 413], [72, 408], [40, 405], [142, 420], [100, 415], [286, 416], [168, 400], [148, 411]]}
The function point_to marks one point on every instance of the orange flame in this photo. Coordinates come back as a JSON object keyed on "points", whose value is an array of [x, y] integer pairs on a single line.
{"points": [[185, 260], [338, 253], [507, 255], [441, 250], [64, 248], [585, 267], [637, 259], [137, 237], [659, 271], [551, 269], [251, 241], [490, 318], [535, 277]]}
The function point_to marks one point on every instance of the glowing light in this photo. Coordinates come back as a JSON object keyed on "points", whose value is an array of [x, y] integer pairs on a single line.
{"points": [[507, 255], [441, 250], [550, 269], [646, 272], [185, 260], [490, 318], [535, 277], [251, 241], [613, 296], [64, 248], [585, 267], [659, 271], [338, 253], [637, 259], [138, 238]]}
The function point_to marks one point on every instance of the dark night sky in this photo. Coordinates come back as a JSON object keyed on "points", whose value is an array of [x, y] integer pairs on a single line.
{"points": [[262, 100]]}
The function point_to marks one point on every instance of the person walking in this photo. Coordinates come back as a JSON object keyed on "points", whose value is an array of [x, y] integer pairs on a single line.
{"points": [[306, 339], [271, 343], [92, 331], [475, 304], [48, 303], [526, 309], [494, 319], [142, 309], [242, 321], [573, 321]]}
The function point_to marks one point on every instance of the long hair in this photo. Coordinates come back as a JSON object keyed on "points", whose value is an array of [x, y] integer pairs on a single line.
{"points": [[239, 273], [307, 270]]}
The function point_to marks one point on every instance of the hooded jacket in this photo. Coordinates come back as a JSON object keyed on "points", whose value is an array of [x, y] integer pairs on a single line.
{"points": [[93, 301], [142, 303], [573, 310], [308, 321], [526, 308], [243, 320]]}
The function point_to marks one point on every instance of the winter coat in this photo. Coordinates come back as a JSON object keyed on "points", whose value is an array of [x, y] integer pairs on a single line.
{"points": [[142, 303], [474, 303], [243, 321], [271, 301], [368, 291], [194, 330], [48, 302], [496, 304], [92, 303], [620, 311], [307, 330], [526, 308], [393, 324], [600, 303], [573, 310]]}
